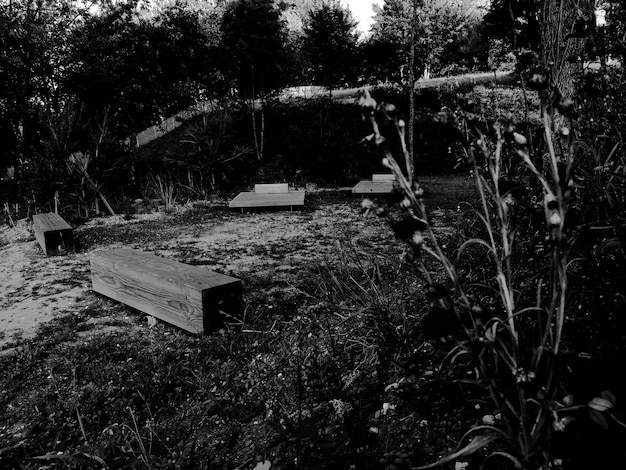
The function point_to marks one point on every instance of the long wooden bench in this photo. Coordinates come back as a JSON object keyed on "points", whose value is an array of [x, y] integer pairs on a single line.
{"points": [[381, 183], [268, 195], [54, 234], [189, 297]]}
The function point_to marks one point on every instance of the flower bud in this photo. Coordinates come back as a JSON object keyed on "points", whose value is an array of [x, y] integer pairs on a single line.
{"points": [[520, 139], [367, 205], [489, 420], [554, 220], [538, 81], [366, 102], [550, 202], [389, 110], [418, 238], [566, 106]]}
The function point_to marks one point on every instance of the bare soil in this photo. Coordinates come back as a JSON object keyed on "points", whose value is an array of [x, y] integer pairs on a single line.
{"points": [[272, 248]]}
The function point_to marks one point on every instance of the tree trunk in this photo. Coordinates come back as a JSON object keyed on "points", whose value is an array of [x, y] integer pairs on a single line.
{"points": [[565, 26], [258, 147], [410, 167]]}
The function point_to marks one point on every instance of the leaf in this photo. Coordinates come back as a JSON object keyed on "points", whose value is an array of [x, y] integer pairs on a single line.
{"points": [[598, 418], [279, 429], [474, 241], [609, 396], [600, 404], [454, 355], [263, 465], [476, 444], [516, 463], [612, 243], [63, 457]]}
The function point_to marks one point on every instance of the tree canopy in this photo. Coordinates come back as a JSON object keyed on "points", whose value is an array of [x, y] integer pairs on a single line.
{"points": [[253, 41], [446, 36], [330, 43]]}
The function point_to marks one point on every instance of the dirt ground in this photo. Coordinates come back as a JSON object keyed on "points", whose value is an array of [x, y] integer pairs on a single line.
{"points": [[275, 246], [37, 289]]}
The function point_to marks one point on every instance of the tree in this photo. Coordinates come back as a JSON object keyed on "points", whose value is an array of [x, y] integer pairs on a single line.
{"points": [[330, 42], [565, 27], [442, 30], [253, 41], [391, 33], [296, 13], [33, 62], [515, 22], [555, 30], [132, 68], [141, 69]]}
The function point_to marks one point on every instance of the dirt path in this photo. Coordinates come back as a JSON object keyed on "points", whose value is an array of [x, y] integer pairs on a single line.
{"points": [[266, 245], [36, 288], [269, 251]]}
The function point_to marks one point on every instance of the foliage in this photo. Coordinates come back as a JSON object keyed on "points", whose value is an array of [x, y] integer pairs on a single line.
{"points": [[330, 42], [34, 108], [612, 32], [141, 70], [505, 319], [73, 81], [516, 22], [253, 39], [447, 37]]}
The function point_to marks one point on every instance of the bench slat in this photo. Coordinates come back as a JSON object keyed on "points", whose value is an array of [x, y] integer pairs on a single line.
{"points": [[383, 177], [271, 188], [188, 297], [254, 199], [374, 187]]}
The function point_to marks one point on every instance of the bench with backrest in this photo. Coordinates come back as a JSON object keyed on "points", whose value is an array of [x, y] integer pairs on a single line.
{"points": [[55, 235], [268, 195], [381, 183], [189, 297]]}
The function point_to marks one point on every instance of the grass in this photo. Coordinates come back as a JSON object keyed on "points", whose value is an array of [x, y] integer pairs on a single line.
{"points": [[331, 366], [140, 397]]}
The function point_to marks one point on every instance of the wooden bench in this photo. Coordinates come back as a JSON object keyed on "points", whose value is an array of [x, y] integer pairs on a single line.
{"points": [[54, 234], [381, 183], [189, 297], [379, 177], [268, 195]]}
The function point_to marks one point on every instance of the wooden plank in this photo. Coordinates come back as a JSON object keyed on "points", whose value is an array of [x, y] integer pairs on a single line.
{"points": [[53, 234], [271, 188], [383, 177], [254, 199], [374, 187], [189, 297]]}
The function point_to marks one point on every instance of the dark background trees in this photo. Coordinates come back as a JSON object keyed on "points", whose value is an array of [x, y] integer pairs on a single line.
{"points": [[330, 45], [83, 80], [253, 45]]}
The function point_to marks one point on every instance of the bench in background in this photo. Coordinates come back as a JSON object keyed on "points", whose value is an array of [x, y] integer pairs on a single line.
{"points": [[268, 195], [189, 297], [381, 183], [54, 234]]}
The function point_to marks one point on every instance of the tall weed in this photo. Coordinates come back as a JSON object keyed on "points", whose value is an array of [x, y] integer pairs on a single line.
{"points": [[502, 317]]}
